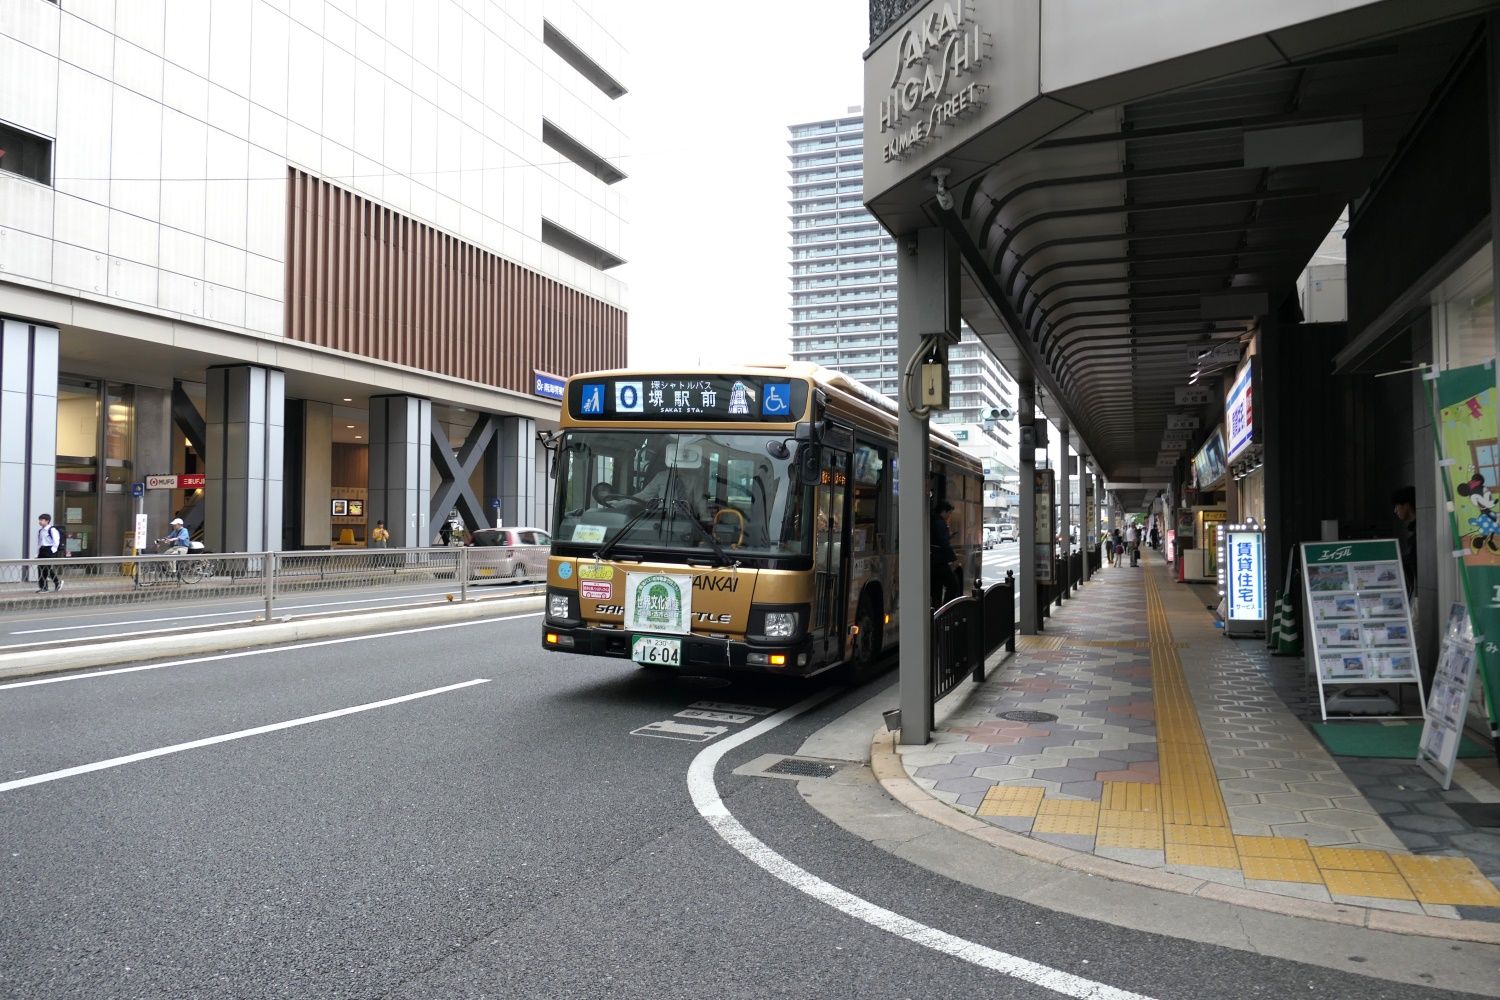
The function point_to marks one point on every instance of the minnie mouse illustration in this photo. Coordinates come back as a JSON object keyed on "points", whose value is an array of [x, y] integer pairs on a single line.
{"points": [[1487, 525]]}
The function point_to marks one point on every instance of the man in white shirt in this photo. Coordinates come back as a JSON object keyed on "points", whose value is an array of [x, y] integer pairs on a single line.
{"points": [[48, 546], [1133, 543]]}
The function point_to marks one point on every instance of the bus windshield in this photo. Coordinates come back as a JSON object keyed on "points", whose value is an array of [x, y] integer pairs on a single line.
{"points": [[697, 494]]}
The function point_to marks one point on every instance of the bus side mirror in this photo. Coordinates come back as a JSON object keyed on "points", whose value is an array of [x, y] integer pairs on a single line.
{"points": [[809, 463]]}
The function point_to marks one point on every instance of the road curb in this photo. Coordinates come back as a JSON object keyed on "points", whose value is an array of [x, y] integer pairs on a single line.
{"points": [[222, 640], [886, 765]]}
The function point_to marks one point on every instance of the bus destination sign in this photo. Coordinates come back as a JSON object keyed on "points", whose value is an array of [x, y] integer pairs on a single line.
{"points": [[688, 397]]}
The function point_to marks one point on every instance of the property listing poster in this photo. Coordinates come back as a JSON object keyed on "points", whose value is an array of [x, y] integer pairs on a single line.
{"points": [[1357, 614], [1466, 439]]}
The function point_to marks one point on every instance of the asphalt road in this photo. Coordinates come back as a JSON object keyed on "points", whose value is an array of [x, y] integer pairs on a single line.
{"points": [[521, 836]]}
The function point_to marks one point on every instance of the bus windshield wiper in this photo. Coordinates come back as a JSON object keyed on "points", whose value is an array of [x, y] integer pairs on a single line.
{"points": [[654, 504], [682, 505]]}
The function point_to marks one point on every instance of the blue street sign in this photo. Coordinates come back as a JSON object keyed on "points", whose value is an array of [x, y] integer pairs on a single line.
{"points": [[137, 489], [495, 502], [547, 385]]}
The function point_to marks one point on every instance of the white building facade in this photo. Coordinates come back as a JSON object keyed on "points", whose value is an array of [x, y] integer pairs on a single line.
{"points": [[327, 203]]}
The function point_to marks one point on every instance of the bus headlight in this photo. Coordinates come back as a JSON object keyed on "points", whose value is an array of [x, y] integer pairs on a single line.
{"points": [[557, 606], [781, 624]]}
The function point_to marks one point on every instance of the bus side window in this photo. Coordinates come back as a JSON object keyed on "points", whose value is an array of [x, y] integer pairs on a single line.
{"points": [[869, 499]]}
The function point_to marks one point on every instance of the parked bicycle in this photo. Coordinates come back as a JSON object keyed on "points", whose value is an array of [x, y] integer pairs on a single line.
{"points": [[194, 566]]}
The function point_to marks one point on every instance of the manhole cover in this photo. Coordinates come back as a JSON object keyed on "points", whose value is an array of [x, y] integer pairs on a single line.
{"points": [[1029, 716], [802, 768]]}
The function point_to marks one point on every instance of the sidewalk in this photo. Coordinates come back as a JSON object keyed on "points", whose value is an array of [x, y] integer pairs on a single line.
{"points": [[1133, 731]]}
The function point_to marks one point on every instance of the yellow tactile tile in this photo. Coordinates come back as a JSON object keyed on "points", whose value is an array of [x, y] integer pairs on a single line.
{"points": [[1148, 839], [1286, 848], [1131, 796], [1120, 819], [1451, 881], [1203, 857], [1377, 885], [1003, 801], [1199, 836], [1281, 869], [1347, 859], [1075, 816]]}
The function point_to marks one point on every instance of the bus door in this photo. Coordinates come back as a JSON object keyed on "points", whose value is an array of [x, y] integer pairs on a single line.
{"points": [[830, 567]]}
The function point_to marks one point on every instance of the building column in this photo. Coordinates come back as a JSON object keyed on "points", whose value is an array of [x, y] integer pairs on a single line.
{"points": [[401, 468], [244, 424], [1085, 493], [510, 473], [1065, 503], [28, 433], [926, 304], [1026, 521]]}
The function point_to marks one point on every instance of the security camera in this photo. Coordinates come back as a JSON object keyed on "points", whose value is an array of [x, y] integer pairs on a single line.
{"points": [[944, 196]]}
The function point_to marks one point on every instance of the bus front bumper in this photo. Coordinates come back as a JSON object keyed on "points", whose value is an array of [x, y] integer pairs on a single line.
{"points": [[701, 654]]}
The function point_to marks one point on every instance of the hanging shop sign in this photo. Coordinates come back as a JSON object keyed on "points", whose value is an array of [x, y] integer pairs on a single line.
{"points": [[1467, 429], [1044, 535], [1448, 705], [1242, 579], [187, 481], [1239, 413], [1209, 463], [1190, 395], [1358, 616], [1181, 422]]}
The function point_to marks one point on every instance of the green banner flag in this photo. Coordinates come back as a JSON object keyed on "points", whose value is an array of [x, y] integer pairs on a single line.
{"points": [[1467, 442]]}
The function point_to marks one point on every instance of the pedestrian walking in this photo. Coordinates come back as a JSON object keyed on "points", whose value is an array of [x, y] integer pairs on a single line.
{"points": [[49, 545], [1133, 543], [1117, 546], [1155, 536]]}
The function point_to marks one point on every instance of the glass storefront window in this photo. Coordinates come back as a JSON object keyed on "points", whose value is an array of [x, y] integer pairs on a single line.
{"points": [[76, 498]]}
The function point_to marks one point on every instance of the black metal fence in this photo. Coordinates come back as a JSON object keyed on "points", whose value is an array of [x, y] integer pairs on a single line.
{"points": [[1067, 575], [967, 629]]}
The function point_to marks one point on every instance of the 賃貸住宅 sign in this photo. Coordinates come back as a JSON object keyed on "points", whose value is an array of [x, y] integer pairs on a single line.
{"points": [[547, 385], [941, 76], [1242, 579]]}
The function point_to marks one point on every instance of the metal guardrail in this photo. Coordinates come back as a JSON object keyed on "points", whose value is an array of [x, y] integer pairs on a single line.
{"points": [[96, 582], [967, 629]]}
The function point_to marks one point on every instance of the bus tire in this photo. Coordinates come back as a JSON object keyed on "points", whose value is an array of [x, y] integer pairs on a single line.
{"points": [[865, 660]]}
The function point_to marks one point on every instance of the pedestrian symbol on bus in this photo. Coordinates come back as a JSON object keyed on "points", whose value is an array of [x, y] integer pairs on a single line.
{"points": [[776, 399], [627, 397], [593, 398]]}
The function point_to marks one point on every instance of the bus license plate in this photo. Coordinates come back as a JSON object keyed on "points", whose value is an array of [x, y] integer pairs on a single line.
{"points": [[663, 652]]}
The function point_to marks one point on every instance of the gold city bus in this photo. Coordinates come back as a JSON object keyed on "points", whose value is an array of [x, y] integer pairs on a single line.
{"points": [[737, 520]]}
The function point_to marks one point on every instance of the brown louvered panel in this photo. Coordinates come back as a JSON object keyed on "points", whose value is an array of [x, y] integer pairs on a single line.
{"points": [[370, 281]]}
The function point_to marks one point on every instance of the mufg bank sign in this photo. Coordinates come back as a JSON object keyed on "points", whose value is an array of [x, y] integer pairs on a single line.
{"points": [[932, 81]]}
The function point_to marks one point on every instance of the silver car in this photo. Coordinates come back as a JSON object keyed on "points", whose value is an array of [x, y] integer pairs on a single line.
{"points": [[508, 553]]}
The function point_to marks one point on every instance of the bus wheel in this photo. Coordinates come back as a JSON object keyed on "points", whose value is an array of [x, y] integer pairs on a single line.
{"points": [[865, 661]]}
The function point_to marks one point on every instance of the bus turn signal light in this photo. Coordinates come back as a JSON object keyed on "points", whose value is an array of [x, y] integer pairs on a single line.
{"points": [[778, 659]]}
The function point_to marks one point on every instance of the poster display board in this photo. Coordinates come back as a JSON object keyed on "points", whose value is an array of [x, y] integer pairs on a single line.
{"points": [[1449, 702], [1044, 538], [1242, 579], [1358, 617]]}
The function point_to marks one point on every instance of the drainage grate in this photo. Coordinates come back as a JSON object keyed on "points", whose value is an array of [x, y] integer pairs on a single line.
{"points": [[1029, 716], [802, 768]]}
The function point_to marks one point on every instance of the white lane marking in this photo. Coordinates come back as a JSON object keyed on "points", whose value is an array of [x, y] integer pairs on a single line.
{"points": [[102, 765], [703, 716], [706, 800], [729, 706], [249, 607], [64, 678]]}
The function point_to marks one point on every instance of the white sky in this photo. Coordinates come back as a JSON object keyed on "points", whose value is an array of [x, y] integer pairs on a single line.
{"points": [[712, 89]]}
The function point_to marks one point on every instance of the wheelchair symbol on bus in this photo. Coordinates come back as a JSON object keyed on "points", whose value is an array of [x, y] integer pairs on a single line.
{"points": [[776, 399]]}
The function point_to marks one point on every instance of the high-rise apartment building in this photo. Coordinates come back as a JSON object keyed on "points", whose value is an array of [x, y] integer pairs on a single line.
{"points": [[844, 290]]}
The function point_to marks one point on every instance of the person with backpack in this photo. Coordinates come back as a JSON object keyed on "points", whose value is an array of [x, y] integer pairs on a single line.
{"points": [[49, 545]]}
